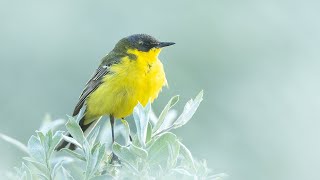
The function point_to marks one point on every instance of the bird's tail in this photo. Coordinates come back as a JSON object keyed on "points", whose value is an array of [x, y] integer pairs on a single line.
{"points": [[85, 128]]}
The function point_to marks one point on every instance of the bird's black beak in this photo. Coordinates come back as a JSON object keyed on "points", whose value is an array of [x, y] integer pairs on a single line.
{"points": [[164, 44]]}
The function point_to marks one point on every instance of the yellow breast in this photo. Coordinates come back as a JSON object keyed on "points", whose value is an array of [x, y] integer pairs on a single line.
{"points": [[130, 82]]}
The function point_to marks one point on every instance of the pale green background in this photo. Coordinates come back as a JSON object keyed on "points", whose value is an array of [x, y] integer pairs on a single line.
{"points": [[257, 61]]}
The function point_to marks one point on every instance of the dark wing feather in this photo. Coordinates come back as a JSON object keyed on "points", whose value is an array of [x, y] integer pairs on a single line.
{"points": [[96, 79], [91, 85]]}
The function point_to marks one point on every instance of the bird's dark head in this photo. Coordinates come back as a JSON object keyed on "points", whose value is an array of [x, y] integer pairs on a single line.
{"points": [[141, 42]]}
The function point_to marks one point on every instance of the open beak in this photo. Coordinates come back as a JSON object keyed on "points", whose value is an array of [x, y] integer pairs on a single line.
{"points": [[164, 44]]}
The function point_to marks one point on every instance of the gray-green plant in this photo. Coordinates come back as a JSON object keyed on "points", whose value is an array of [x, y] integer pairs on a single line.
{"points": [[153, 153]]}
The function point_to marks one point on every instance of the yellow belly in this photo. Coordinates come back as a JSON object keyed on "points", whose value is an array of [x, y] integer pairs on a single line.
{"points": [[129, 82]]}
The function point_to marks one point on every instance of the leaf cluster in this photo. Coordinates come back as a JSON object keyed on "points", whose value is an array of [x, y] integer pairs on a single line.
{"points": [[153, 153]]}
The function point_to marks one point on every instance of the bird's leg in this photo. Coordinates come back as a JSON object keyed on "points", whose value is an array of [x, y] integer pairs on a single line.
{"points": [[112, 124], [114, 157]]}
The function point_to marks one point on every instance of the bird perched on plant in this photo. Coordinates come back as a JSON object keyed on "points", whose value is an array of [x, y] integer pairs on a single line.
{"points": [[129, 74]]}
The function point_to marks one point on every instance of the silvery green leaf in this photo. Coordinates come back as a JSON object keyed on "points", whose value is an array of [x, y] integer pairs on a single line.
{"points": [[41, 136], [56, 138], [42, 176], [87, 149], [92, 127], [14, 142], [48, 140], [40, 166], [105, 132], [167, 124], [94, 161], [159, 150], [101, 155], [127, 131], [138, 151], [73, 153], [54, 142], [150, 143], [71, 140], [75, 130], [149, 132], [36, 150], [66, 174], [125, 155], [169, 119], [96, 146], [188, 111], [65, 158], [95, 155], [165, 111], [135, 141], [93, 136], [43, 140], [173, 153], [81, 113], [102, 152], [141, 118], [187, 155], [56, 168], [27, 170]]}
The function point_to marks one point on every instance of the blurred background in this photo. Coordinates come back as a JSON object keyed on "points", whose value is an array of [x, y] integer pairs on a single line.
{"points": [[257, 61]]}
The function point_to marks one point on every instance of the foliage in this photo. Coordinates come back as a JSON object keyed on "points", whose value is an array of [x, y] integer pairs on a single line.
{"points": [[154, 152]]}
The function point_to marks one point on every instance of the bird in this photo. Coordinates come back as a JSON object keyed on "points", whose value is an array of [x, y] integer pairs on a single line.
{"points": [[129, 74]]}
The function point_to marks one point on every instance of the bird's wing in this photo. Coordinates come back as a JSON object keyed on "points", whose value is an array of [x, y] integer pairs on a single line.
{"points": [[91, 85], [97, 78]]}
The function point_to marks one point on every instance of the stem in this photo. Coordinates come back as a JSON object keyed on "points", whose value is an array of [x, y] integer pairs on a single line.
{"points": [[49, 168]]}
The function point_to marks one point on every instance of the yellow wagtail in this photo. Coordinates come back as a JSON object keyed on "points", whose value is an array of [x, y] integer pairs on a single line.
{"points": [[129, 74]]}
